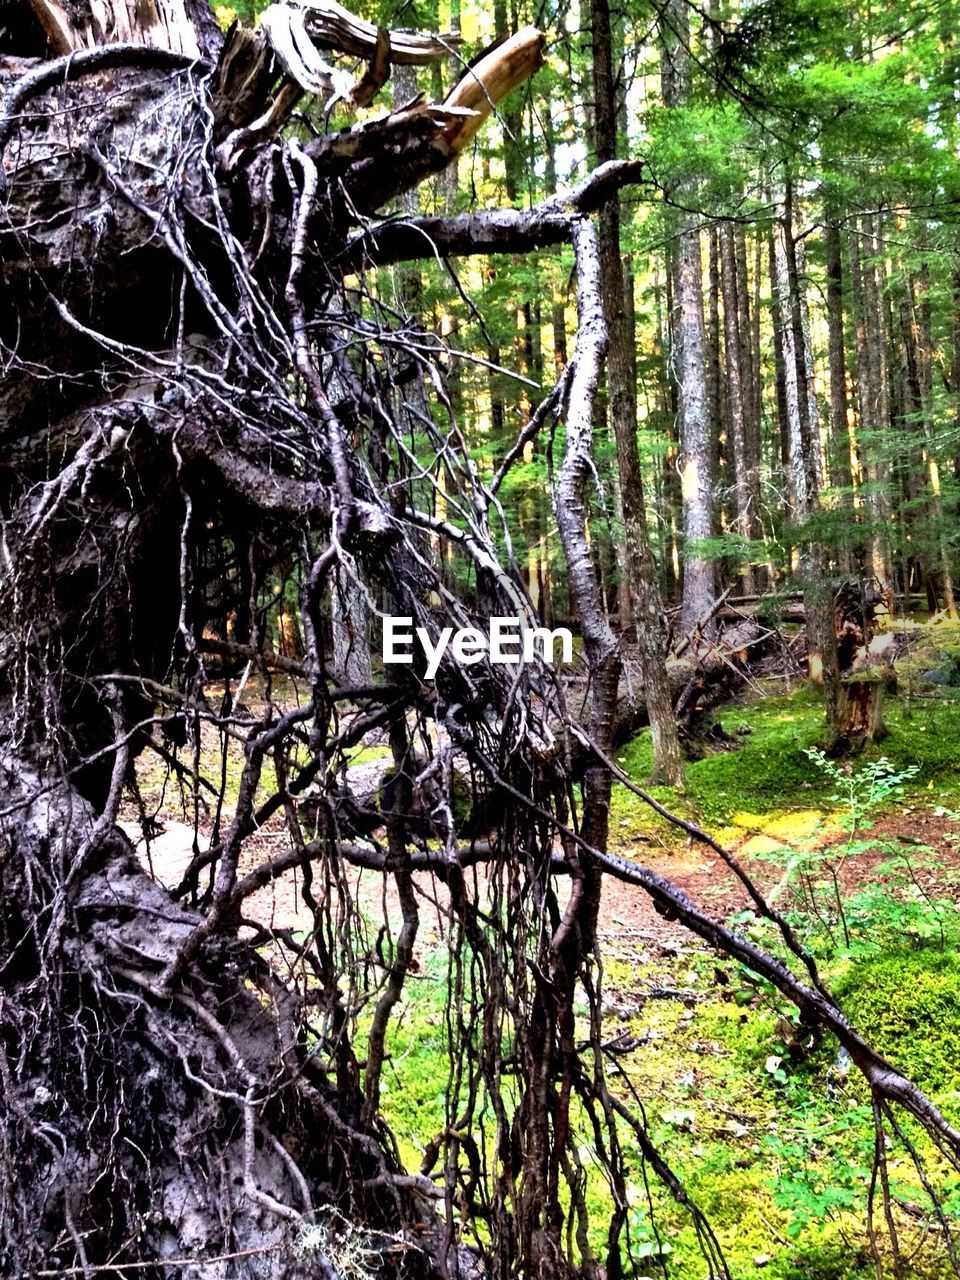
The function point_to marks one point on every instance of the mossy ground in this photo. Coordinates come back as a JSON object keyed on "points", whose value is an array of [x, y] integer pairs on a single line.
{"points": [[769, 785], [777, 1154]]}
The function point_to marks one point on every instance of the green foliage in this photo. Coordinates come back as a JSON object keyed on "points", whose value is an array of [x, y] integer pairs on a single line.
{"points": [[718, 136], [862, 790], [899, 910]]}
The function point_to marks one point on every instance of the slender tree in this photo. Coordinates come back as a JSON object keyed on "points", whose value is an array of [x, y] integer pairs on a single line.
{"points": [[688, 343], [637, 559]]}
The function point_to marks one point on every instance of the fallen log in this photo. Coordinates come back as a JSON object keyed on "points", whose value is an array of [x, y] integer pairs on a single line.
{"points": [[700, 681], [786, 612], [740, 601]]}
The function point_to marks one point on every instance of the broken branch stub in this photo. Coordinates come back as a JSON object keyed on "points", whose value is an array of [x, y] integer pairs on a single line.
{"points": [[453, 123], [488, 82], [333, 27], [290, 38], [297, 53]]}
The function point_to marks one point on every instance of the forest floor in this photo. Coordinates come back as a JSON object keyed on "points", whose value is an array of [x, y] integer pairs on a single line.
{"points": [[768, 1128]]}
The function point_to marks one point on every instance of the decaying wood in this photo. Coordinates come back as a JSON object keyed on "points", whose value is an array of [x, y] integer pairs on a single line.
{"points": [[489, 80], [99, 22], [860, 711], [331, 26]]}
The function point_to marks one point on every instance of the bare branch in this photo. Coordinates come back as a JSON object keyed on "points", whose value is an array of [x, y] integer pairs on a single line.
{"points": [[489, 230]]}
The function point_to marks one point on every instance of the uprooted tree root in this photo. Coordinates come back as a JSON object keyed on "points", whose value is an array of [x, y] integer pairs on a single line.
{"points": [[199, 412]]}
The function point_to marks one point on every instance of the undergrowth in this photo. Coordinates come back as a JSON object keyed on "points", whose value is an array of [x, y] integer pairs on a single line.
{"points": [[769, 775], [768, 1126]]}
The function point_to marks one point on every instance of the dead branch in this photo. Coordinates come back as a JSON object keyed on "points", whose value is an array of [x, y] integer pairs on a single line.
{"points": [[489, 231]]}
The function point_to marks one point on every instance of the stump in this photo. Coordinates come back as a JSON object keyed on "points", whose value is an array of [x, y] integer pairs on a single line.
{"points": [[859, 712]]}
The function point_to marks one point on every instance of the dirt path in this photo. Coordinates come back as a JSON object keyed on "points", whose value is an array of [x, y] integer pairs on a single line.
{"points": [[917, 849]]}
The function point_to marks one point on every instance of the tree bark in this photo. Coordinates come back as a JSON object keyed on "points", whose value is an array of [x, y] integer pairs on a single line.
{"points": [[638, 561], [804, 458], [874, 397], [688, 356], [745, 481], [859, 715], [842, 474], [917, 345]]}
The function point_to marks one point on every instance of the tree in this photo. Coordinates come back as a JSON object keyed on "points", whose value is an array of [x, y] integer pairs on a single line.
{"points": [[638, 567], [697, 432], [205, 403]]}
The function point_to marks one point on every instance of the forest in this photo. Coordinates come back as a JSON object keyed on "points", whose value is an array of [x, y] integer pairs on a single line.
{"points": [[338, 941]]}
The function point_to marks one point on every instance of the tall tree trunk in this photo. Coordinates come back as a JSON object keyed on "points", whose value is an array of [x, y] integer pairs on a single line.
{"points": [[842, 477], [749, 330], [785, 406], [873, 396], [717, 404], [793, 379], [751, 380], [918, 386], [813, 441], [803, 434], [641, 572], [671, 501], [688, 353], [744, 482]]}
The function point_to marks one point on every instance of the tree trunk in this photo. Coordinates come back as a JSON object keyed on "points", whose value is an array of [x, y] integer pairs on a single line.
{"points": [[751, 380], [744, 493], [874, 397], [918, 339], [688, 340], [717, 403], [842, 474], [638, 561], [794, 393], [859, 714], [804, 457]]}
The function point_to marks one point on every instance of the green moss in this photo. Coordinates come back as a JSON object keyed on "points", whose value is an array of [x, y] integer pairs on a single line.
{"points": [[908, 1006], [414, 1081], [829, 1259], [769, 773], [768, 766], [365, 755], [927, 736], [779, 1165]]}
